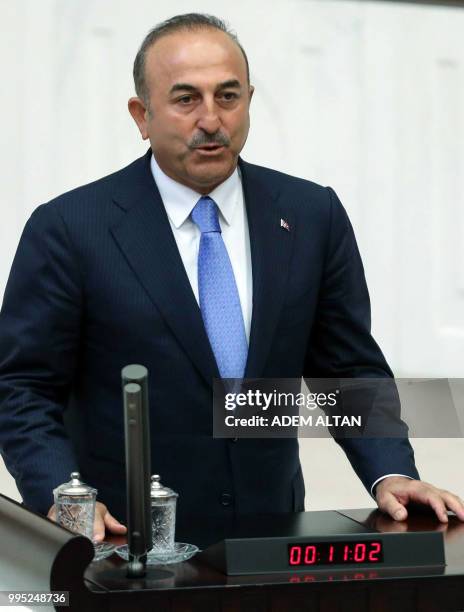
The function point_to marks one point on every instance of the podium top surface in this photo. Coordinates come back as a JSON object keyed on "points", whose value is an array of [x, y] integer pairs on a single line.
{"points": [[206, 531], [109, 575]]}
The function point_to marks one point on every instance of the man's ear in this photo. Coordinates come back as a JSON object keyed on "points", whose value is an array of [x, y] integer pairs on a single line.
{"points": [[251, 90], [139, 115]]}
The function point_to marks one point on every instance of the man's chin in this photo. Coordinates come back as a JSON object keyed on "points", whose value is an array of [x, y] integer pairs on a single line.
{"points": [[211, 172]]}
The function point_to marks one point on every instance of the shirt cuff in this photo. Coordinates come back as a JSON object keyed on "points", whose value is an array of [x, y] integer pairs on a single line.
{"points": [[386, 476]]}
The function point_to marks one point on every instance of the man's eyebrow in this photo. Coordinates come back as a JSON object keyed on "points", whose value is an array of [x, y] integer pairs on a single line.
{"points": [[182, 87], [231, 83]]}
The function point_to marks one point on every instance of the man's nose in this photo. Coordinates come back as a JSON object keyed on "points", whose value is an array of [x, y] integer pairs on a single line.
{"points": [[209, 120]]}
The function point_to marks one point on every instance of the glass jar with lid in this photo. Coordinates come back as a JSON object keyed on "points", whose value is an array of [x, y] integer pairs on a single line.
{"points": [[163, 512], [75, 505]]}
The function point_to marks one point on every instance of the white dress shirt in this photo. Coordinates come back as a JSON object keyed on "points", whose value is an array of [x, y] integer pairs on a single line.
{"points": [[179, 202]]}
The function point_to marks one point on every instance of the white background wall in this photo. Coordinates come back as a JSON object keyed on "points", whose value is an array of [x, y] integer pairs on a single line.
{"points": [[364, 96]]}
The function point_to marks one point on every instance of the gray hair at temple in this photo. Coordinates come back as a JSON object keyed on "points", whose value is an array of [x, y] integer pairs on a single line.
{"points": [[188, 21]]}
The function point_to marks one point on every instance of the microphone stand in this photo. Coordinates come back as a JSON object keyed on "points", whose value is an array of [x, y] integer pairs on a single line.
{"points": [[138, 467]]}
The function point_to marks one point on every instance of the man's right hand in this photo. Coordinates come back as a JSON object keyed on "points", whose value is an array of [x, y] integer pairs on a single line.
{"points": [[103, 521]]}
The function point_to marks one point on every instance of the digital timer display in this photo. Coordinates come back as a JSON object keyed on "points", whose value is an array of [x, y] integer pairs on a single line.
{"points": [[319, 542], [367, 552]]}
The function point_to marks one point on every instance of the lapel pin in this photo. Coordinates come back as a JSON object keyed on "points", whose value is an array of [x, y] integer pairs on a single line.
{"points": [[285, 225]]}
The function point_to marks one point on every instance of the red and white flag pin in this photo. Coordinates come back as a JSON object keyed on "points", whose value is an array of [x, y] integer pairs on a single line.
{"points": [[285, 225]]}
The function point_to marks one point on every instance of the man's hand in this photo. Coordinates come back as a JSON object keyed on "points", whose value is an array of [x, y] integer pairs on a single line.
{"points": [[395, 492], [103, 520]]}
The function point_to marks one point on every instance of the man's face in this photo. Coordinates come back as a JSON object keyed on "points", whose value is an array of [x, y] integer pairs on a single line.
{"points": [[198, 115]]}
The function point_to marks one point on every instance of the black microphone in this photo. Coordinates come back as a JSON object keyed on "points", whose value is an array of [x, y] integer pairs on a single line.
{"points": [[138, 467]]}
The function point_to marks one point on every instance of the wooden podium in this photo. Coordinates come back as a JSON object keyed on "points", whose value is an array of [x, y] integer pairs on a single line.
{"points": [[61, 562], [195, 587]]}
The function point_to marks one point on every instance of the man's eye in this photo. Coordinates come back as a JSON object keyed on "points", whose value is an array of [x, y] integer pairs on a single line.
{"points": [[185, 99], [229, 95]]}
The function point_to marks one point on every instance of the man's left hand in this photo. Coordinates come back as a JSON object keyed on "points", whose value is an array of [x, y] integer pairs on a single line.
{"points": [[395, 492]]}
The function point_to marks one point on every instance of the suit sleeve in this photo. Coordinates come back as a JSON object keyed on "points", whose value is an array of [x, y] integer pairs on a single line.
{"points": [[341, 346], [39, 342]]}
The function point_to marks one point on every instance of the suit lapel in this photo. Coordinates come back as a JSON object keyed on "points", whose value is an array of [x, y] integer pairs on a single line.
{"points": [[271, 247], [145, 237]]}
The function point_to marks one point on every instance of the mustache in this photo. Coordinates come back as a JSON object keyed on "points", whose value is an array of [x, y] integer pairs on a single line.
{"points": [[202, 139]]}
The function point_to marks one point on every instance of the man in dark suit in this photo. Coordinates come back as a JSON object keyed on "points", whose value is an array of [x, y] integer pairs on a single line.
{"points": [[197, 265]]}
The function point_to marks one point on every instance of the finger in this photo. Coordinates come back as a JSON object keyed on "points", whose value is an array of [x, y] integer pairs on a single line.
{"points": [[113, 525], [429, 495], [438, 505], [52, 513], [99, 523], [388, 503], [454, 503]]}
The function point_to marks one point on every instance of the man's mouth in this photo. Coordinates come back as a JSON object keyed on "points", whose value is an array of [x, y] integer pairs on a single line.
{"points": [[210, 148], [212, 145]]}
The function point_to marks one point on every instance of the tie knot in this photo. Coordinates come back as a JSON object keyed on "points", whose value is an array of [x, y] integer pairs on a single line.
{"points": [[205, 215]]}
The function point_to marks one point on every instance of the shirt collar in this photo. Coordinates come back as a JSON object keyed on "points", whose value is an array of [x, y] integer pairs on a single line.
{"points": [[179, 200]]}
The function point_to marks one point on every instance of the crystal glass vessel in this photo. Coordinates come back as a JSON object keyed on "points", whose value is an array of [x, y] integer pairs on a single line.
{"points": [[75, 506], [163, 512]]}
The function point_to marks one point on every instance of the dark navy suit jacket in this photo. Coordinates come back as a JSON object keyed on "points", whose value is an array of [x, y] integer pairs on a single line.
{"points": [[98, 283]]}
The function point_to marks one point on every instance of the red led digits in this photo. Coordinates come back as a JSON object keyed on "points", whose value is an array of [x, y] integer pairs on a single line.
{"points": [[335, 553], [374, 553], [360, 553], [310, 555], [295, 555]]}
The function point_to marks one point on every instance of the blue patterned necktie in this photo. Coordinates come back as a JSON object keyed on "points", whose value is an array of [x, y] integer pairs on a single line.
{"points": [[219, 299]]}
